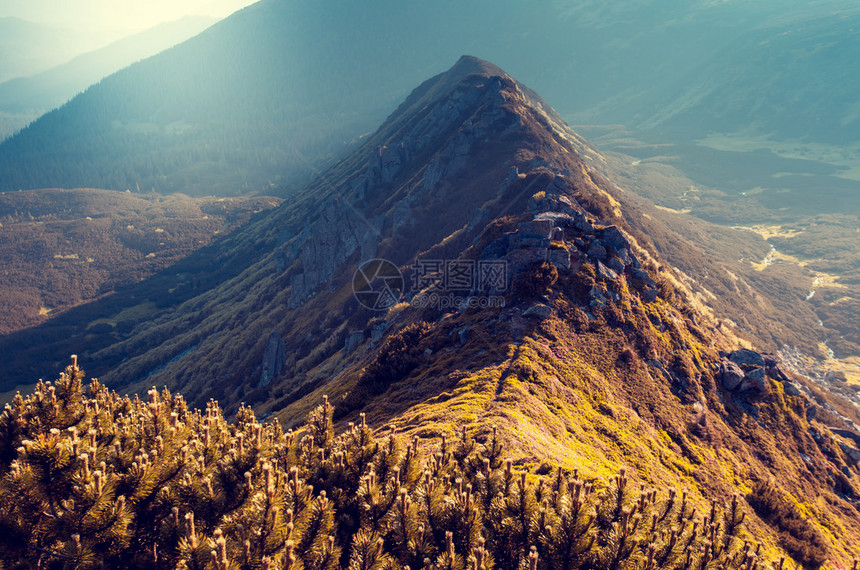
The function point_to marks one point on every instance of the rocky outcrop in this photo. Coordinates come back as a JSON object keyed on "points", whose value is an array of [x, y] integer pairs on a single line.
{"points": [[338, 232], [353, 340], [561, 233], [274, 358], [746, 373]]}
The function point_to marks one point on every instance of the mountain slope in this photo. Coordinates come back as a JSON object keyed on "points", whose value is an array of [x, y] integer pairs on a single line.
{"points": [[583, 351], [49, 89], [260, 99], [62, 248]]}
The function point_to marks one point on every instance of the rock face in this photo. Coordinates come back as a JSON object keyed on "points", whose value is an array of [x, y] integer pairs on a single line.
{"points": [[273, 359], [327, 243]]}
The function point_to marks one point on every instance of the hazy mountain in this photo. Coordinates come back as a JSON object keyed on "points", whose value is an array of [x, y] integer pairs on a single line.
{"points": [[578, 341], [280, 89], [44, 91], [27, 48]]}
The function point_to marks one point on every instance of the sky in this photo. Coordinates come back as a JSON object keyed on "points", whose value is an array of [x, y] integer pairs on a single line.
{"points": [[126, 15]]}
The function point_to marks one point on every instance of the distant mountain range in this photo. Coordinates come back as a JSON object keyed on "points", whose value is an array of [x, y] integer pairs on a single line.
{"points": [[274, 93], [25, 98], [27, 48]]}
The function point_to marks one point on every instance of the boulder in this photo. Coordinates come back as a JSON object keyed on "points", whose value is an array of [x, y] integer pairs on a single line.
{"points": [[560, 258], [605, 272], [539, 311], [522, 258], [597, 251], [791, 389], [553, 201], [615, 265], [615, 237], [558, 218], [851, 452], [541, 229], [755, 383], [847, 434], [811, 412], [731, 375], [747, 359], [777, 372], [531, 241], [650, 295], [642, 278]]}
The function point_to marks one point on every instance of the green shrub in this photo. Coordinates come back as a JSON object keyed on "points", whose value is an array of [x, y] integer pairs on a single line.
{"points": [[95, 480]]}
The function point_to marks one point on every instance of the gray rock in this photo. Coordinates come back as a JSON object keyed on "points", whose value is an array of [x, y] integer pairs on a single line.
{"points": [[401, 214], [390, 160], [597, 251], [560, 258], [554, 201], [522, 258], [650, 295], [463, 335], [326, 244], [583, 225], [615, 265], [747, 358], [847, 434], [533, 242], [731, 375], [558, 218], [541, 229], [777, 372], [615, 237], [352, 341], [540, 311], [605, 272], [851, 452], [755, 383], [791, 389], [597, 295], [496, 248], [811, 412], [274, 358], [641, 278], [377, 332]]}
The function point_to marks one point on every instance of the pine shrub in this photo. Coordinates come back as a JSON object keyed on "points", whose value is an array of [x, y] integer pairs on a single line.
{"points": [[90, 479]]}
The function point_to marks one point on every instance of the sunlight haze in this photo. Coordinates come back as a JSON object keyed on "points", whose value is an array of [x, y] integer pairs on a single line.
{"points": [[130, 15]]}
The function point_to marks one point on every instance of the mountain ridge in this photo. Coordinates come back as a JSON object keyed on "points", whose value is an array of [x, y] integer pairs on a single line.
{"points": [[599, 356]]}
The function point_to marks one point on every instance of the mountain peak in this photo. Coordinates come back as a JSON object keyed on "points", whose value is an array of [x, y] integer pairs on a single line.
{"points": [[469, 64]]}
